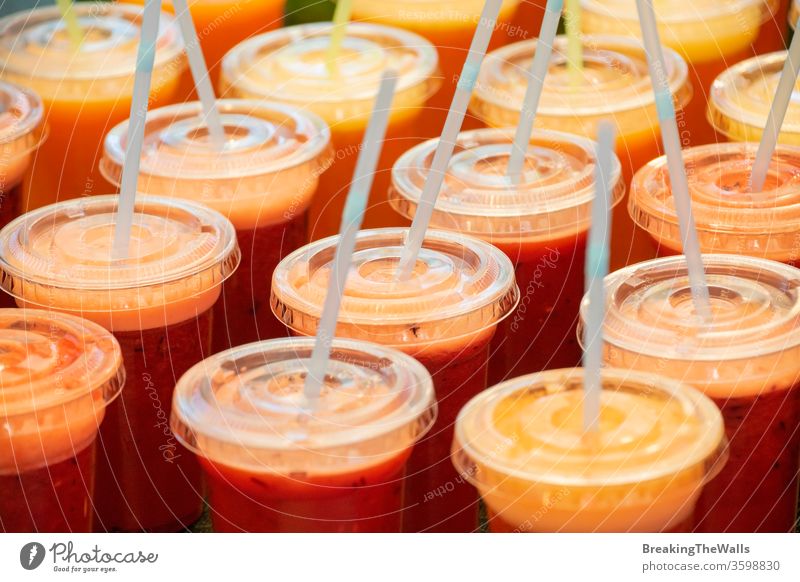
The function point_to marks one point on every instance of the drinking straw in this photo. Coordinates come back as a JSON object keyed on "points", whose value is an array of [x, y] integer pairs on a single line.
{"points": [[202, 82], [672, 146], [572, 23], [340, 19], [536, 75], [352, 217], [141, 92], [74, 29], [447, 143], [780, 104], [596, 269]]}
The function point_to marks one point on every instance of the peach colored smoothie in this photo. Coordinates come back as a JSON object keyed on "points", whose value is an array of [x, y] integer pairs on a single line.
{"points": [[85, 93], [541, 224], [616, 86], [57, 376], [289, 66], [523, 445], [263, 181], [729, 217], [746, 358], [158, 304], [444, 315], [279, 462]]}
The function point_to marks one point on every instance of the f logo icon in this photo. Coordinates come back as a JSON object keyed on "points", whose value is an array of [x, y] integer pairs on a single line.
{"points": [[31, 555]]}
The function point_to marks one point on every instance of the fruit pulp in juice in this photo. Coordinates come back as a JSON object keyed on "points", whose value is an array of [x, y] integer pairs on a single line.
{"points": [[11, 196], [369, 499]]}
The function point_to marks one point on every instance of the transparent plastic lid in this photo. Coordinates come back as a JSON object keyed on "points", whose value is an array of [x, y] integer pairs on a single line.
{"points": [[531, 429], [289, 65], [554, 195], [245, 407], [21, 128], [729, 217], [741, 97], [617, 84], [459, 286]]}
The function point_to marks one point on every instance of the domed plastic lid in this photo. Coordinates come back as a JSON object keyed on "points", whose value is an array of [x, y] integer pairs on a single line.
{"points": [[21, 127], [245, 407], [616, 82], [741, 97], [555, 193], [36, 43], [459, 286], [50, 359], [289, 65], [729, 217]]}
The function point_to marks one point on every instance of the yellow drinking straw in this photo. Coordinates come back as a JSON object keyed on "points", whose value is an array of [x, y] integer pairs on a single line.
{"points": [[574, 44], [340, 19], [74, 29]]}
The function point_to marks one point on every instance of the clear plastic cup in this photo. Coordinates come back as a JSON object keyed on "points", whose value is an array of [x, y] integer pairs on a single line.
{"points": [[728, 216], [58, 375], [444, 315], [263, 181], [617, 88], [158, 304], [742, 96], [85, 91], [277, 462], [289, 66], [746, 358], [710, 35], [523, 446], [541, 224]]}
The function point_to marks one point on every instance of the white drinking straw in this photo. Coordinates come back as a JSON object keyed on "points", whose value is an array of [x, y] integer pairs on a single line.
{"points": [[351, 222], [672, 146], [202, 81], [536, 75], [596, 269], [769, 139], [447, 143], [145, 60]]}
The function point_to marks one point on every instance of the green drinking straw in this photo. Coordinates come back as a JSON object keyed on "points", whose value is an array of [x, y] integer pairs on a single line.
{"points": [[596, 269], [340, 19], [777, 113], [447, 143], [74, 29], [536, 75], [352, 218], [574, 44], [145, 60], [677, 170]]}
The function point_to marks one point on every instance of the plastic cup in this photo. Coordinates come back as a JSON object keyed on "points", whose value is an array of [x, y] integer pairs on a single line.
{"points": [[85, 92], [289, 66], [729, 218], [263, 181], [276, 462], [618, 88], [58, 374], [158, 304], [710, 35], [747, 359], [523, 446], [444, 315], [541, 224]]}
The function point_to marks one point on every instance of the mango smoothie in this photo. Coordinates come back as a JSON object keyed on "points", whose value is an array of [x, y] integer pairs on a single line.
{"points": [[289, 66], [444, 315], [58, 375], [710, 35], [616, 86], [263, 181], [158, 304], [746, 358], [86, 91], [523, 446], [279, 462]]}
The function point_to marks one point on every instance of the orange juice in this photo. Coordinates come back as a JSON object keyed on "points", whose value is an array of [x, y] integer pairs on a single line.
{"points": [[85, 93]]}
